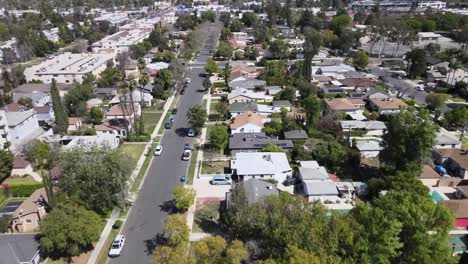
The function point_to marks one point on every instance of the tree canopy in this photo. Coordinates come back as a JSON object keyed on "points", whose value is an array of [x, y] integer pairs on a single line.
{"points": [[218, 137], [183, 197], [96, 174], [197, 117], [408, 142], [69, 230]]}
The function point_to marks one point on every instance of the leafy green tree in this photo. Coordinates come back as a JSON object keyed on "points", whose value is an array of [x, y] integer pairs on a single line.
{"points": [[416, 236], [273, 128], [26, 102], [38, 152], [249, 19], [311, 48], [186, 22], [75, 100], [407, 142], [458, 117], [360, 60], [109, 77], [224, 50], [197, 117], [69, 230], [95, 174], [313, 108], [339, 22], [96, 115], [288, 94], [209, 16], [218, 137], [222, 108], [278, 49], [4, 32], [225, 17], [61, 117], [208, 250], [163, 79], [417, 61], [5, 223], [298, 256], [276, 72], [345, 40], [176, 230], [170, 255], [331, 154], [65, 34], [183, 197], [436, 101], [236, 25], [271, 148], [211, 66], [433, 48], [236, 252], [329, 38], [6, 164]]}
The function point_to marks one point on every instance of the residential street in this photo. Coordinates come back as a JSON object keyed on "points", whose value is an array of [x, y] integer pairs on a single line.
{"points": [[145, 221]]}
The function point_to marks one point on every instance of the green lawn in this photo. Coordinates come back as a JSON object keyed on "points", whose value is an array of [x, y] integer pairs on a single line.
{"points": [[22, 179], [150, 120], [465, 142], [216, 167], [134, 151], [193, 162], [143, 169]]}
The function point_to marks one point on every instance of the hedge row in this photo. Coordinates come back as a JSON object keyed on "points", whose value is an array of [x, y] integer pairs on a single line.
{"points": [[23, 189]]}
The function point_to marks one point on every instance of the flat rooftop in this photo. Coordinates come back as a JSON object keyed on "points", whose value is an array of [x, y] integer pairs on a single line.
{"points": [[124, 38], [69, 63]]}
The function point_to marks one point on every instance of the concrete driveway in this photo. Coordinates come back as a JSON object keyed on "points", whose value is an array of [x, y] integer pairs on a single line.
{"points": [[206, 190]]}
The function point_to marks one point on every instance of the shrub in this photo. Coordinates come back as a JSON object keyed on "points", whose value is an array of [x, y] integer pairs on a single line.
{"points": [[117, 224], [23, 189]]}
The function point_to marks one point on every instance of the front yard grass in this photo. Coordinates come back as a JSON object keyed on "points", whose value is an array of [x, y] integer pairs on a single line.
{"points": [[193, 162], [465, 142], [214, 167], [102, 258], [20, 179], [143, 169], [134, 151], [150, 119]]}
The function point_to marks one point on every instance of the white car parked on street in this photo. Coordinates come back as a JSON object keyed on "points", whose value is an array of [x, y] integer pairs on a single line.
{"points": [[117, 246], [158, 150]]}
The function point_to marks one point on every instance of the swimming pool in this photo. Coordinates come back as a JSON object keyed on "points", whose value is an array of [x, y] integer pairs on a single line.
{"points": [[436, 196]]}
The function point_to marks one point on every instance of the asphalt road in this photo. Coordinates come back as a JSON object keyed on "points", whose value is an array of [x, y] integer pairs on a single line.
{"points": [[143, 227]]}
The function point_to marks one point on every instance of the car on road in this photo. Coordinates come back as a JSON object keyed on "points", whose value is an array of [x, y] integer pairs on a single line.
{"points": [[187, 80], [191, 132], [172, 118], [182, 92], [186, 146], [117, 246], [174, 111], [221, 180], [158, 150], [168, 124], [187, 154]]}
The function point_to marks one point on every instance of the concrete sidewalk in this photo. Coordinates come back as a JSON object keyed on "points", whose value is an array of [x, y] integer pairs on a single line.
{"points": [[191, 210], [104, 235]]}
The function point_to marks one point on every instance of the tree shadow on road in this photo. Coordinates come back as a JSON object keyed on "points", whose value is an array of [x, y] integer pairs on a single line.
{"points": [[151, 244], [168, 207]]}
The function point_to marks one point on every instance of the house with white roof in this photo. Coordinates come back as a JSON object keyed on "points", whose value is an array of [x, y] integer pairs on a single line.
{"points": [[108, 140], [369, 148], [446, 140], [18, 128], [136, 96], [120, 41], [372, 128], [244, 95], [427, 37], [315, 182], [68, 67], [267, 165]]}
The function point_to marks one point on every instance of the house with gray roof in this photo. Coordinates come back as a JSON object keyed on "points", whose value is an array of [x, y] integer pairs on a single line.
{"points": [[237, 108], [273, 90], [19, 249], [255, 191], [253, 142], [295, 134], [278, 105], [321, 191]]}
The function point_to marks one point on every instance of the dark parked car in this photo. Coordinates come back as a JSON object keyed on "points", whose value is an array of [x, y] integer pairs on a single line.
{"points": [[168, 125]]}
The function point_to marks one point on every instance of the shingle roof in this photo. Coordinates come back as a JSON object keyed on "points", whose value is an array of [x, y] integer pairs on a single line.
{"points": [[255, 141], [458, 207], [246, 118], [238, 107], [314, 188], [16, 118], [339, 104], [282, 103], [40, 87], [13, 107], [42, 109], [20, 163], [368, 125], [429, 173], [18, 248], [392, 104], [295, 134], [256, 190]]}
